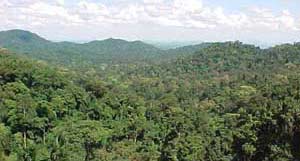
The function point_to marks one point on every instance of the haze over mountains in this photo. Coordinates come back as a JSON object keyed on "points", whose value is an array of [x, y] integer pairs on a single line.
{"points": [[98, 51]]}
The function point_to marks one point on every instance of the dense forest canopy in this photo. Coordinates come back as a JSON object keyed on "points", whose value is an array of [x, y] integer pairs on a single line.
{"points": [[219, 102]]}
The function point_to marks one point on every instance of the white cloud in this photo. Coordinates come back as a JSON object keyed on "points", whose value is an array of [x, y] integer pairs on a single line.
{"points": [[169, 13], [60, 2], [265, 18], [287, 20], [187, 6]]}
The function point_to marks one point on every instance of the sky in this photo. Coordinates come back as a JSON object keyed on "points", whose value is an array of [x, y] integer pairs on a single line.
{"points": [[252, 21]]}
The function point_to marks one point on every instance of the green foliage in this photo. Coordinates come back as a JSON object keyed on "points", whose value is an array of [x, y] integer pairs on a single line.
{"points": [[228, 101], [96, 54]]}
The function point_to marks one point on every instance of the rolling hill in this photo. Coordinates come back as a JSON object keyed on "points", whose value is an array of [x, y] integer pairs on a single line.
{"points": [[108, 51], [105, 51]]}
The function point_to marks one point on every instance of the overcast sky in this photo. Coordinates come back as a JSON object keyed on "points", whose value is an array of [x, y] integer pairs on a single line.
{"points": [[162, 20]]}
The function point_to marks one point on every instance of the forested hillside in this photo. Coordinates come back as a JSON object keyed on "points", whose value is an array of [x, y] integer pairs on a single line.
{"points": [[99, 53], [225, 102]]}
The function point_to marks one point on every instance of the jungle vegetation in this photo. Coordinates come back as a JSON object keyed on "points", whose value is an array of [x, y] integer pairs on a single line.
{"points": [[226, 101]]}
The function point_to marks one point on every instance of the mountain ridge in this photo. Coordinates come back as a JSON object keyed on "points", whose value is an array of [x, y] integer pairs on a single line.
{"points": [[106, 51]]}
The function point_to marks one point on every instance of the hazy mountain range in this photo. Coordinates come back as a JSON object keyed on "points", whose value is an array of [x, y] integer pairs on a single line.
{"points": [[98, 51]]}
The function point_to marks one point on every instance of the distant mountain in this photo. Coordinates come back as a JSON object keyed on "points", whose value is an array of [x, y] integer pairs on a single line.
{"points": [[105, 51], [166, 45], [95, 52], [121, 49], [18, 37], [191, 49], [25, 41]]}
